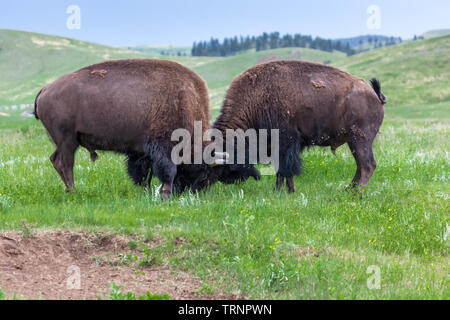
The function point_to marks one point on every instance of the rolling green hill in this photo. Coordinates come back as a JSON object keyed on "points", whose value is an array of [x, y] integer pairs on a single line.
{"points": [[436, 33], [162, 50], [30, 60], [412, 73]]}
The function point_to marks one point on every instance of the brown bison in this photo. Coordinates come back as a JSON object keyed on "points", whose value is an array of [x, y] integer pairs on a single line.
{"points": [[130, 107], [311, 104]]}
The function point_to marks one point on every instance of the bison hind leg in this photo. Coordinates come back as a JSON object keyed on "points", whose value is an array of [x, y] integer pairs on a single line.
{"points": [[63, 160], [365, 162]]}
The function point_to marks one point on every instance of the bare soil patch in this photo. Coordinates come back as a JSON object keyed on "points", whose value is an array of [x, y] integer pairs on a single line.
{"points": [[41, 267]]}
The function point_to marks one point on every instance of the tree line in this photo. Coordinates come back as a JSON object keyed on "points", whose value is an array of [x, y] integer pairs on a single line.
{"points": [[230, 46]]}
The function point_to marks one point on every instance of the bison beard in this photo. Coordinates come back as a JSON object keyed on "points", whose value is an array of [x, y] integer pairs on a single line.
{"points": [[312, 105], [139, 168]]}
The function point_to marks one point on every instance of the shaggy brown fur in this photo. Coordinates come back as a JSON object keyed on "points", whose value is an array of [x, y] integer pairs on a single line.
{"points": [[311, 104], [127, 106]]}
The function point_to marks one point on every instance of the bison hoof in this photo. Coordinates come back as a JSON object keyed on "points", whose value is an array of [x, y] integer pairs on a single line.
{"points": [[94, 156], [70, 190], [165, 195], [355, 189]]}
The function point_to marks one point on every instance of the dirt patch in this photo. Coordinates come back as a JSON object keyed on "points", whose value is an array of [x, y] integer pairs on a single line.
{"points": [[46, 264]]}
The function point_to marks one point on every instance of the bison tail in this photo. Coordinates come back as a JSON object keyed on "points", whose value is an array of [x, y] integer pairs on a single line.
{"points": [[377, 88], [35, 105]]}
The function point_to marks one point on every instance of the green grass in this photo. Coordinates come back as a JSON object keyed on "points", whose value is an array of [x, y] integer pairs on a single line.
{"points": [[118, 294], [14, 120], [411, 73], [251, 240]]}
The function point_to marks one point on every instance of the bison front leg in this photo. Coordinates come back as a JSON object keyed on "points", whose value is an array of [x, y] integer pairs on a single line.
{"points": [[163, 168], [166, 174], [280, 182], [290, 184], [361, 149]]}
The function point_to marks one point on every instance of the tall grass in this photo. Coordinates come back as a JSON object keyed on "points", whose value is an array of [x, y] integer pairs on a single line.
{"points": [[253, 240]]}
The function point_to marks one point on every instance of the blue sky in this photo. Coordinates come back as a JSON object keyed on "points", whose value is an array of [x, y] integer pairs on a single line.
{"points": [[177, 22]]}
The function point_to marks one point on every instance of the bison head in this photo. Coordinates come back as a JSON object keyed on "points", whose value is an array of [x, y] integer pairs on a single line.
{"points": [[195, 176], [233, 173], [198, 177]]}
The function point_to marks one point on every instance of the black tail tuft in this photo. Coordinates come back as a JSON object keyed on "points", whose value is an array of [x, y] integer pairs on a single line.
{"points": [[377, 88], [35, 105]]}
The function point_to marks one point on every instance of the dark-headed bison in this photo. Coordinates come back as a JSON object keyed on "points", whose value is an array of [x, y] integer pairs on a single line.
{"points": [[130, 107], [311, 104]]}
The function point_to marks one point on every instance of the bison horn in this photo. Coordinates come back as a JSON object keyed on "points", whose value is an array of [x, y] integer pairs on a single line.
{"points": [[220, 158], [219, 162], [221, 155]]}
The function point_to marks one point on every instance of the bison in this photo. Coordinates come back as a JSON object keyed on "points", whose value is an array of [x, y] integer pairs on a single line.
{"points": [[130, 107], [311, 105]]}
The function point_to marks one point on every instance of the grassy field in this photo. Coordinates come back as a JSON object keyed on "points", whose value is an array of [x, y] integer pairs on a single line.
{"points": [[30, 60], [411, 73], [250, 240]]}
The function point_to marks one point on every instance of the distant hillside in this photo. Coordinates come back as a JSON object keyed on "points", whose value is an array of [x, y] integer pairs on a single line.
{"points": [[30, 60], [274, 40], [163, 50], [417, 72], [369, 42], [436, 33]]}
